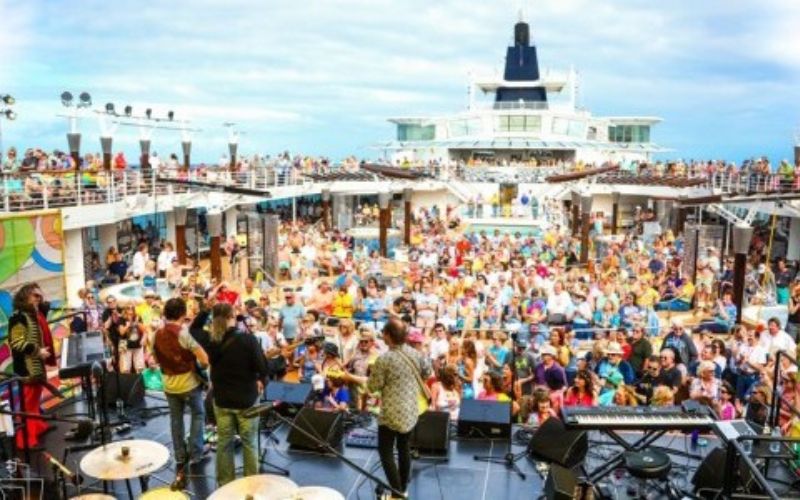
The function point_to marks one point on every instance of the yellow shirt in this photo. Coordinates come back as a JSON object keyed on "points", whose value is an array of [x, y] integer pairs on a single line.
{"points": [[343, 305], [687, 291], [254, 295], [648, 298]]}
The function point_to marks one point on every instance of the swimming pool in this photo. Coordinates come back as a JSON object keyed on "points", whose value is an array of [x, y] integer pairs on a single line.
{"points": [[523, 229], [133, 292]]}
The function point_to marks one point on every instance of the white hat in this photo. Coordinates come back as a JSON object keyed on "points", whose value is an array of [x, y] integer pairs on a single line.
{"points": [[613, 348], [676, 321], [548, 349]]}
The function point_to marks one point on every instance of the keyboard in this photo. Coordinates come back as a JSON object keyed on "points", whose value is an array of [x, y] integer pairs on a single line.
{"points": [[634, 418]]}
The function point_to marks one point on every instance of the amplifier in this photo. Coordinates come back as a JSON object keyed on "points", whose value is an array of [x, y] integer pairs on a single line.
{"points": [[484, 419]]}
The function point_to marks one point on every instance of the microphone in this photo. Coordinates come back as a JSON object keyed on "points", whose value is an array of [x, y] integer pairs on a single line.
{"points": [[259, 409], [72, 477]]}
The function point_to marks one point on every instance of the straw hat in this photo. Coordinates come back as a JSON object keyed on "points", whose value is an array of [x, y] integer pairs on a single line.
{"points": [[613, 348]]}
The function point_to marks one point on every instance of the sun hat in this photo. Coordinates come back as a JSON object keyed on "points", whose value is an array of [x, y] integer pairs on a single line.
{"points": [[613, 348], [548, 349]]}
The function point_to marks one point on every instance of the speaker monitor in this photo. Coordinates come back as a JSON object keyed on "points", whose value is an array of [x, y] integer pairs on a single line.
{"points": [[130, 389], [291, 394], [554, 444], [484, 419], [431, 435], [561, 483], [325, 426], [709, 477]]}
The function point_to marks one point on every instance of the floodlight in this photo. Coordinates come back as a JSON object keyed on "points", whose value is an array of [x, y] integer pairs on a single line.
{"points": [[66, 98], [170, 115], [86, 100], [148, 113], [128, 110], [10, 115], [110, 108], [7, 99]]}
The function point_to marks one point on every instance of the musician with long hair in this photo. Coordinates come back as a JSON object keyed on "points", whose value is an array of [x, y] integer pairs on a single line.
{"points": [[238, 371], [31, 349]]}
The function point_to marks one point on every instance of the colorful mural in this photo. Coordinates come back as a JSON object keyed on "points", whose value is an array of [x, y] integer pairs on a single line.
{"points": [[31, 249]]}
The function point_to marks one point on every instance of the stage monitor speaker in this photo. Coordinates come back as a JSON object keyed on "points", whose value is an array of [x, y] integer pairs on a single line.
{"points": [[484, 419], [709, 478], [554, 444], [130, 389], [431, 435], [561, 484], [291, 394], [326, 426]]}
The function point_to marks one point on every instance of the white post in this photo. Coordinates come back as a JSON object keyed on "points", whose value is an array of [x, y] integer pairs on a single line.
{"points": [[74, 265]]}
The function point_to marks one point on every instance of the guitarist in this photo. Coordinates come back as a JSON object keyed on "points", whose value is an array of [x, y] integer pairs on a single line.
{"points": [[391, 376], [177, 352]]}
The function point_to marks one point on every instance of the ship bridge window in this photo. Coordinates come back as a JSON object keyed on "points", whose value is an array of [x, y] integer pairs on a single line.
{"points": [[406, 132], [629, 133], [572, 128], [463, 128], [519, 123]]}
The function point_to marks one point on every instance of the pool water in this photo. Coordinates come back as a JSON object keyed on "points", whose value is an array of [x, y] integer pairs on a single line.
{"points": [[135, 290], [523, 229]]}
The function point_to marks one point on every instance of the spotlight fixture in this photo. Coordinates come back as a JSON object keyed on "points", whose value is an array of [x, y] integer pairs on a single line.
{"points": [[10, 115], [128, 110], [86, 100], [148, 113], [170, 115], [66, 98], [110, 108], [8, 100]]}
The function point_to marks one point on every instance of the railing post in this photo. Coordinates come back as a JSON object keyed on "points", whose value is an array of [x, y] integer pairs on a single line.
{"points": [[79, 187], [153, 180], [111, 187], [46, 196], [125, 183], [6, 195]]}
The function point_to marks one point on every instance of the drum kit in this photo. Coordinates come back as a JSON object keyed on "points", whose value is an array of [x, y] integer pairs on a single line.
{"points": [[137, 458]]}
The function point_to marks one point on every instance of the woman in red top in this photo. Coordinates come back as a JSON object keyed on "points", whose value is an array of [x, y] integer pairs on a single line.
{"points": [[582, 392]]}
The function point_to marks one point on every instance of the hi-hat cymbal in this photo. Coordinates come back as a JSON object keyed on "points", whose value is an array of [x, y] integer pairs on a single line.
{"points": [[260, 487], [316, 493], [106, 462]]}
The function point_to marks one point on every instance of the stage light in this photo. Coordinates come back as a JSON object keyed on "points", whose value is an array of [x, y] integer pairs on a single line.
{"points": [[148, 113], [66, 98], [8, 100], [86, 100], [10, 115], [170, 115], [110, 108], [128, 110]]}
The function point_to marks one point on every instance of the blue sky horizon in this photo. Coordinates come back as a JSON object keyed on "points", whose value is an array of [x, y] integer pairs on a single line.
{"points": [[324, 79]]}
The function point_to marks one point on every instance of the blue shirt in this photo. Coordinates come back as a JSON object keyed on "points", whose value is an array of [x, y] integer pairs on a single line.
{"points": [[499, 353], [290, 316]]}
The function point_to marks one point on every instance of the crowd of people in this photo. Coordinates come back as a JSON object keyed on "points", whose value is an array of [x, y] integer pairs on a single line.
{"points": [[497, 316]]}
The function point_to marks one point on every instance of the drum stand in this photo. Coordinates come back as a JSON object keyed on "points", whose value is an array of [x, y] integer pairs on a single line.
{"points": [[262, 452]]}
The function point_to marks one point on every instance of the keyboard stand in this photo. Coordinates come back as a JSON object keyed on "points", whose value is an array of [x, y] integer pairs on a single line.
{"points": [[640, 444]]}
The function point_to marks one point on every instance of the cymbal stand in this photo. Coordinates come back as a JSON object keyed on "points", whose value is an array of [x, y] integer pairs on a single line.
{"points": [[262, 452]]}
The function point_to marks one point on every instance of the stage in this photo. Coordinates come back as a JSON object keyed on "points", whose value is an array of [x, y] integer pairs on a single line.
{"points": [[460, 477]]}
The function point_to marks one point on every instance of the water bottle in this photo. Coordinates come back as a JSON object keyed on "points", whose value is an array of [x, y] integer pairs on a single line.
{"points": [[775, 446]]}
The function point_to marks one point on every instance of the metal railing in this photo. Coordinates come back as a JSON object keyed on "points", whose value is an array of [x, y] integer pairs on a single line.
{"points": [[20, 192], [23, 191]]}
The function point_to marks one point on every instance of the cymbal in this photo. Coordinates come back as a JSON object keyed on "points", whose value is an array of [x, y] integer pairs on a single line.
{"points": [[108, 463], [163, 493], [93, 496], [316, 493], [260, 487]]}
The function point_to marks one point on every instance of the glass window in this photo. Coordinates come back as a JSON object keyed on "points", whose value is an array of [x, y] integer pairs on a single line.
{"points": [[516, 124], [503, 123], [406, 132], [533, 124]]}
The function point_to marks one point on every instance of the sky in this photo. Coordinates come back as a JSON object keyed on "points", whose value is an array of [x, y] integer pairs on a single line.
{"points": [[323, 77]]}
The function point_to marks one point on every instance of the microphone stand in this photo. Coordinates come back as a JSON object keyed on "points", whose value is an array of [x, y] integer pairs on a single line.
{"points": [[380, 487]]}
